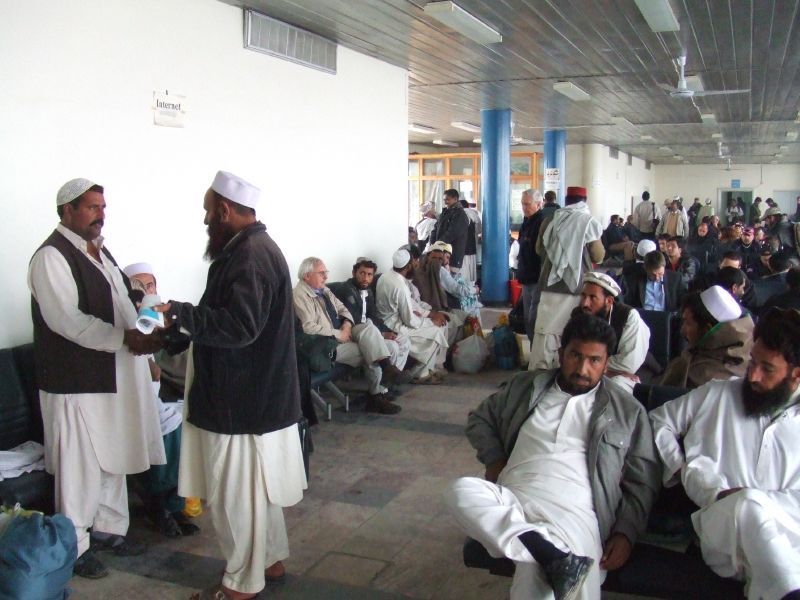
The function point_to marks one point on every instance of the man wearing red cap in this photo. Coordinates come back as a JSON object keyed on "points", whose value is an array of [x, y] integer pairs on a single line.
{"points": [[568, 244]]}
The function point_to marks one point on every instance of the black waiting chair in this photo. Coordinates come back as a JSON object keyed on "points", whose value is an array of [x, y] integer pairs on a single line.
{"points": [[662, 325]]}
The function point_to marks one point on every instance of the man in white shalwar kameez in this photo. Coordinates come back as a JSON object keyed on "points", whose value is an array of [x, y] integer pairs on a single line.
{"points": [[240, 446], [100, 422], [428, 335], [566, 506], [568, 244], [734, 446]]}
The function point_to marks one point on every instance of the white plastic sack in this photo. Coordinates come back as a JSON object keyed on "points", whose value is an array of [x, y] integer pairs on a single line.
{"points": [[470, 354]]}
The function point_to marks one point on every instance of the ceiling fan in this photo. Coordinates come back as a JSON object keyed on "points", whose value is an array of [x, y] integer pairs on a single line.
{"points": [[683, 90], [728, 166]]}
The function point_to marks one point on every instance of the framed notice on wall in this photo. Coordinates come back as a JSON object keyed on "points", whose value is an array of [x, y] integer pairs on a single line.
{"points": [[169, 110], [552, 179]]}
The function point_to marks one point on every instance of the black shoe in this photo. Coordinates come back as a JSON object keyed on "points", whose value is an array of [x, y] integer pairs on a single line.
{"points": [[120, 546], [166, 523], [394, 376], [379, 403], [187, 527], [89, 567], [566, 575]]}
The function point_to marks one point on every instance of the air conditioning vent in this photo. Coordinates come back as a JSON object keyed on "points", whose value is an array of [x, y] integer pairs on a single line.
{"points": [[647, 165], [613, 152], [279, 39]]}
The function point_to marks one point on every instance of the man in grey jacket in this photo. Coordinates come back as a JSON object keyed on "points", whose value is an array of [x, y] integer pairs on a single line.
{"points": [[575, 467]]}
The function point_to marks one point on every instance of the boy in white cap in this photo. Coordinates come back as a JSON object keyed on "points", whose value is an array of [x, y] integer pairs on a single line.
{"points": [[241, 447], [100, 422], [719, 336], [733, 445]]}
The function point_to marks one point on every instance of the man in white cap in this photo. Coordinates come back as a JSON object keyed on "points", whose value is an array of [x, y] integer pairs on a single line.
{"points": [[320, 312], [100, 422], [720, 338], [599, 298], [733, 445], [428, 335], [432, 277], [241, 447], [158, 486]]}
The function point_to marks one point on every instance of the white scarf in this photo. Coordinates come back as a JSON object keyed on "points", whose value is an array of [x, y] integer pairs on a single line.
{"points": [[571, 229]]}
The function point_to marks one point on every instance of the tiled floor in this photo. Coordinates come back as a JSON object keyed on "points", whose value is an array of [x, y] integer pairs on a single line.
{"points": [[372, 524]]}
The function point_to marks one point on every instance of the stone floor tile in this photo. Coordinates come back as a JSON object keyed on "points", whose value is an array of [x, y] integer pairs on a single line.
{"points": [[347, 569]]}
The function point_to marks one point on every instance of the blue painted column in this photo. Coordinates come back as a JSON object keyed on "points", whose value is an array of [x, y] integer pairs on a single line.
{"points": [[555, 157], [495, 198]]}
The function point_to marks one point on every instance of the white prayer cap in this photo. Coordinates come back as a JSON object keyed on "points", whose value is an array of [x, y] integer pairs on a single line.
{"points": [[72, 189], [235, 189], [138, 269], [645, 247], [720, 304], [441, 247], [604, 281], [401, 258]]}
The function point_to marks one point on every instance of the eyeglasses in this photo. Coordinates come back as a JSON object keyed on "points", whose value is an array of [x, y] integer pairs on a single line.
{"points": [[324, 273]]}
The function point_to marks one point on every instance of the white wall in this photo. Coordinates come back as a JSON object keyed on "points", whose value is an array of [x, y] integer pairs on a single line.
{"points": [[705, 181], [78, 78]]}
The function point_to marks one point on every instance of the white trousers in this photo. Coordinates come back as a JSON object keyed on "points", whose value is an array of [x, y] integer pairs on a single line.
{"points": [[455, 326], [494, 515], [367, 348], [552, 315], [755, 535], [87, 495], [250, 529], [469, 267], [399, 349]]}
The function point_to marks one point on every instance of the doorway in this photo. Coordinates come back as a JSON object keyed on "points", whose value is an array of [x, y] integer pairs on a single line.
{"points": [[744, 198]]}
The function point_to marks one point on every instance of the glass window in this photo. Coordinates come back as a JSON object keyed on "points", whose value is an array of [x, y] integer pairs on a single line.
{"points": [[413, 168], [465, 187], [413, 202], [432, 192], [461, 166], [433, 166], [515, 209], [520, 165]]}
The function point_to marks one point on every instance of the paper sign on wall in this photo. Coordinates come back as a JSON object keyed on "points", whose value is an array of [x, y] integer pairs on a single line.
{"points": [[736, 183], [169, 110], [552, 179]]}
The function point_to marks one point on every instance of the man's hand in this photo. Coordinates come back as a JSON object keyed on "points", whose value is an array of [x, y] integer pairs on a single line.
{"points": [[164, 308], [616, 552], [724, 493], [139, 343], [345, 332], [155, 370], [439, 319], [389, 335], [493, 470]]}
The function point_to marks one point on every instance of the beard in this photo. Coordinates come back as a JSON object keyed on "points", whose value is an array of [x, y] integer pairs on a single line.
{"points": [[575, 385], [219, 234], [757, 404]]}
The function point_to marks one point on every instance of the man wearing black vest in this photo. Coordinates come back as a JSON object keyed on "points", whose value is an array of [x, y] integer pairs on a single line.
{"points": [[100, 422], [599, 297], [240, 445]]}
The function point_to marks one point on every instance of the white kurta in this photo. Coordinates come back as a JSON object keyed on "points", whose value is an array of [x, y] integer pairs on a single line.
{"points": [[93, 440], [394, 305], [753, 533], [547, 465]]}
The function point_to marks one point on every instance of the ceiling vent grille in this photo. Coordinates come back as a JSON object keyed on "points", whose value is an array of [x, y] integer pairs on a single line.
{"points": [[647, 165], [613, 152], [279, 39]]}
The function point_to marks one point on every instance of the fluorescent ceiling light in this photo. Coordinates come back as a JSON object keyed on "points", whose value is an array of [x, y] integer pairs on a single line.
{"points": [[476, 140], [665, 149], [456, 18], [521, 141], [646, 138], [621, 121], [708, 118], [778, 155], [571, 91], [466, 126], [678, 157], [658, 14], [716, 136], [693, 82], [773, 162], [421, 128], [783, 148], [791, 135], [445, 143]]}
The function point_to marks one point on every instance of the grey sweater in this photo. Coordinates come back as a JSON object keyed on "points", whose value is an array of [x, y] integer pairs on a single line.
{"points": [[624, 468]]}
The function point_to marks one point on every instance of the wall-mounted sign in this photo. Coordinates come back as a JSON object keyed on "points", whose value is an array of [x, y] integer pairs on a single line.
{"points": [[552, 180], [736, 183], [169, 110]]}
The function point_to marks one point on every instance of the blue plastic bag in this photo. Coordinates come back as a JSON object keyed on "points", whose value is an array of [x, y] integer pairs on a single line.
{"points": [[37, 554]]}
